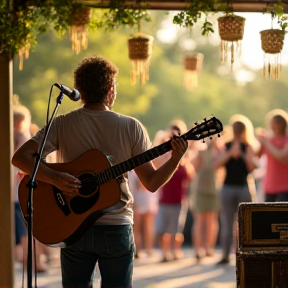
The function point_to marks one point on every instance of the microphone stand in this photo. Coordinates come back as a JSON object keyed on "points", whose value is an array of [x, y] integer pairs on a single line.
{"points": [[32, 184]]}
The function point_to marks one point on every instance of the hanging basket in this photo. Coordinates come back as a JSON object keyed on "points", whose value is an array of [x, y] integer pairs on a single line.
{"points": [[272, 41], [231, 27], [231, 31], [80, 17], [140, 47], [140, 51], [192, 65], [194, 62]]}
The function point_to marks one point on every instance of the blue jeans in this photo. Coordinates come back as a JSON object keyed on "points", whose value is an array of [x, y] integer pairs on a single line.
{"points": [[112, 246]]}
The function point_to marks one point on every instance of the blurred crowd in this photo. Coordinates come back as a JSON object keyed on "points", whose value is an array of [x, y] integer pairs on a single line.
{"points": [[245, 164]]}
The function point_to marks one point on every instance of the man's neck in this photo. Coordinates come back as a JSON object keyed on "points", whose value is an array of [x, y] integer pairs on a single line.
{"points": [[96, 106]]}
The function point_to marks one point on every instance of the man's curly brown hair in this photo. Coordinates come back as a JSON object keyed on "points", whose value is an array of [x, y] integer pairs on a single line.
{"points": [[93, 77]]}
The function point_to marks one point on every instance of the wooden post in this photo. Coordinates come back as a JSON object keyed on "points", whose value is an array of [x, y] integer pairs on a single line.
{"points": [[7, 234]]}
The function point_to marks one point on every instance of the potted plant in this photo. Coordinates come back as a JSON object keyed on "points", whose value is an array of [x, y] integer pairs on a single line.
{"points": [[272, 40], [140, 51], [23, 21], [139, 45], [79, 19], [231, 31], [192, 66]]}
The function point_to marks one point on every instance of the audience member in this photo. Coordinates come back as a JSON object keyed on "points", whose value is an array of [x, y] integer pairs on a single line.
{"points": [[22, 125], [145, 207], [274, 145], [238, 158], [21, 118], [172, 197], [204, 200]]}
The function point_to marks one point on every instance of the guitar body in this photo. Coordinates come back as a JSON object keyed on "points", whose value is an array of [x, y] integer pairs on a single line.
{"points": [[60, 220]]}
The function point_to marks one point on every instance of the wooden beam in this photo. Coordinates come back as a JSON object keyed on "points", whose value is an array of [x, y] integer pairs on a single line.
{"points": [[238, 5], [7, 231]]}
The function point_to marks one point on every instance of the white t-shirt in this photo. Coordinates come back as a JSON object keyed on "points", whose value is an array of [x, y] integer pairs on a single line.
{"points": [[119, 137]]}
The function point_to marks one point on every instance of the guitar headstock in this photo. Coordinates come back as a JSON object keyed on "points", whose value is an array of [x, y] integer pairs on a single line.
{"points": [[204, 129]]}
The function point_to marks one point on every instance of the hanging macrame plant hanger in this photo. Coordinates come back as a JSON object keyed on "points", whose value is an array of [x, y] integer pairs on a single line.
{"points": [[231, 31], [192, 65], [23, 53], [80, 17], [140, 51], [272, 44]]}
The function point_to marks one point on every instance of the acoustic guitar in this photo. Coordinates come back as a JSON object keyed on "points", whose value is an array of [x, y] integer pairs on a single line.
{"points": [[59, 220]]}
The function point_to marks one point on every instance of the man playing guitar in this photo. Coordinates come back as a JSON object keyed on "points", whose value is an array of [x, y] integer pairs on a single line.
{"points": [[115, 138]]}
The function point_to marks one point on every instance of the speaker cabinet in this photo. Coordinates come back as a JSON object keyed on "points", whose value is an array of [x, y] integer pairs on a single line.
{"points": [[262, 254]]}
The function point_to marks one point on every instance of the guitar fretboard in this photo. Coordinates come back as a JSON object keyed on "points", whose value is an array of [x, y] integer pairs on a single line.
{"points": [[132, 163]]}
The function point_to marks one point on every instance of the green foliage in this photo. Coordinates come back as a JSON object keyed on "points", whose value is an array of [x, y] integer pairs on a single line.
{"points": [[277, 10], [21, 24], [120, 15], [189, 17]]}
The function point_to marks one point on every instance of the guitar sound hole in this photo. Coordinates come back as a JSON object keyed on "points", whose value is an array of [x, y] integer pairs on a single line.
{"points": [[88, 184]]}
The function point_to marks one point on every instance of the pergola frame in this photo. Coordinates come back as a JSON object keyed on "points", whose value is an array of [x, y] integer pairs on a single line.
{"points": [[237, 5]]}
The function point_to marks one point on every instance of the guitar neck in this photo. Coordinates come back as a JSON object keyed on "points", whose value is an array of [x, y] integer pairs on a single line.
{"points": [[133, 162], [200, 131]]}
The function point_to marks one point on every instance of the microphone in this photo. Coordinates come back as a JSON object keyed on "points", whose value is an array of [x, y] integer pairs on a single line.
{"points": [[73, 94]]}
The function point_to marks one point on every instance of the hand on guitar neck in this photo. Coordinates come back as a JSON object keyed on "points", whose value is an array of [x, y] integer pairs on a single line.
{"points": [[179, 147]]}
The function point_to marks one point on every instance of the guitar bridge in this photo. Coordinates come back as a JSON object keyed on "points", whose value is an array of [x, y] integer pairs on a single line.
{"points": [[61, 201]]}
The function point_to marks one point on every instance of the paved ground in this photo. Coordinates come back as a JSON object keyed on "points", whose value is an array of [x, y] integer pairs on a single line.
{"points": [[150, 273]]}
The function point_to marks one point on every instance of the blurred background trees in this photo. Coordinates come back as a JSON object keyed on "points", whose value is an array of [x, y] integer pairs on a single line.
{"points": [[163, 97]]}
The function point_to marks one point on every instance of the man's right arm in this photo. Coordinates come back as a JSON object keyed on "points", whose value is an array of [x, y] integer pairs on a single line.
{"points": [[153, 178]]}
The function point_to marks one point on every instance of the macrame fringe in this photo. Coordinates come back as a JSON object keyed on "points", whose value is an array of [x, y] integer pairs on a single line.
{"points": [[23, 52], [79, 38], [190, 79], [140, 69], [272, 66], [229, 47]]}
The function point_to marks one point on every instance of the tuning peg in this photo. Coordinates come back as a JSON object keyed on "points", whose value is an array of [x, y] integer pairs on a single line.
{"points": [[211, 137], [219, 135], [203, 141], [196, 123], [205, 119]]}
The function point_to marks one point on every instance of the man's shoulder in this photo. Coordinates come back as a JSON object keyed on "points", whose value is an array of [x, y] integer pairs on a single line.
{"points": [[129, 119], [126, 117]]}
